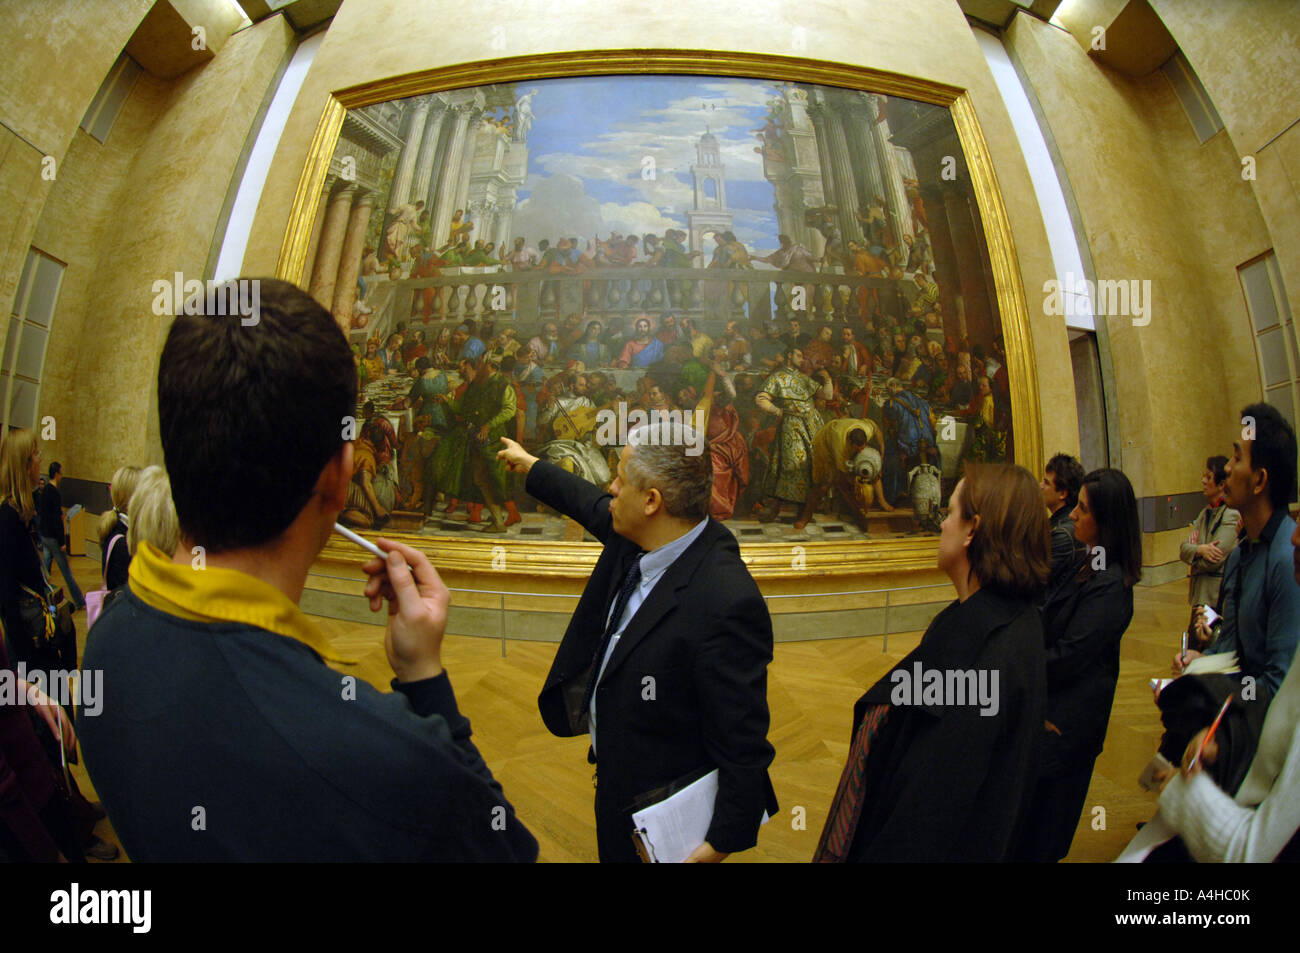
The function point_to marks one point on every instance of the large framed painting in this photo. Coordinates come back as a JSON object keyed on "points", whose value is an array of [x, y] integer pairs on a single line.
{"points": [[809, 265]]}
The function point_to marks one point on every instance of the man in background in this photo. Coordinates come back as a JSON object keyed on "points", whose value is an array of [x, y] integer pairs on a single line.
{"points": [[54, 535], [1062, 478], [1259, 601]]}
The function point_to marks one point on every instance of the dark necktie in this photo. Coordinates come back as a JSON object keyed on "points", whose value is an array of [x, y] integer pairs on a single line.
{"points": [[630, 582]]}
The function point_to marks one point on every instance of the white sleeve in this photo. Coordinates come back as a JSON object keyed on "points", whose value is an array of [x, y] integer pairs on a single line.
{"points": [[1217, 829]]}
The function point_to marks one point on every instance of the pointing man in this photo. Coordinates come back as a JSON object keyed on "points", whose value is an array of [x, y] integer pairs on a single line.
{"points": [[664, 663]]}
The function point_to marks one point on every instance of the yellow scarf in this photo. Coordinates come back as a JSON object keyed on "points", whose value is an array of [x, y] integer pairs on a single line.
{"points": [[222, 595]]}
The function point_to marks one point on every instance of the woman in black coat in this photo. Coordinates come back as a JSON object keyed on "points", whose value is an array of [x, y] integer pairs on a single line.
{"points": [[1084, 618], [942, 772]]}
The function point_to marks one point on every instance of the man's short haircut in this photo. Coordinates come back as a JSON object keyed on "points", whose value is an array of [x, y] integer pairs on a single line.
{"points": [[55, 469], [858, 437], [1011, 549], [1274, 450], [685, 481], [1067, 474], [1218, 468], [1119, 527], [250, 415]]}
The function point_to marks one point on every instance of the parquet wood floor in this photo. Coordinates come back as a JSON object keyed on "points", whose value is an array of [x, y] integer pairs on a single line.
{"points": [[811, 690]]}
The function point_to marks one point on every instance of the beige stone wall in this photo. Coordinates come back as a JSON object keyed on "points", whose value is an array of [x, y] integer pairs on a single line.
{"points": [[55, 56], [1245, 56], [1156, 205], [381, 38], [141, 207]]}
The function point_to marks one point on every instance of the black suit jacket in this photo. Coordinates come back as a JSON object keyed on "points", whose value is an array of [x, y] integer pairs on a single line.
{"points": [[1083, 622], [686, 686]]}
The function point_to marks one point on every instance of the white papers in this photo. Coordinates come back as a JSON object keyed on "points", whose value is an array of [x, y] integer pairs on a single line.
{"points": [[1222, 663], [73, 510], [1211, 616], [671, 829], [677, 825]]}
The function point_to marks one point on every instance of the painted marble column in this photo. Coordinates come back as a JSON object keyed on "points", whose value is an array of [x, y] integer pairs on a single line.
{"points": [[428, 152], [859, 115], [900, 211], [846, 191], [318, 224], [467, 163], [345, 291], [448, 177], [324, 275], [400, 193], [818, 115]]}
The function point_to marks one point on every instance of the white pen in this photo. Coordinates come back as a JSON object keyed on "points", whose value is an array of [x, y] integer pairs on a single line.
{"points": [[364, 543]]}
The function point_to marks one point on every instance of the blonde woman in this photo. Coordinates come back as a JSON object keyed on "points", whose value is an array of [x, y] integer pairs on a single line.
{"points": [[20, 561], [153, 515], [113, 526], [34, 821]]}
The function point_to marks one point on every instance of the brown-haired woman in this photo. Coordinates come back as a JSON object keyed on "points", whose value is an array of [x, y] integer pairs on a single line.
{"points": [[1084, 618], [942, 770]]}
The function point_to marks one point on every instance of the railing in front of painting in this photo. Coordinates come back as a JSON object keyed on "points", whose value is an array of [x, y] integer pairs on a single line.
{"points": [[708, 294], [501, 610]]}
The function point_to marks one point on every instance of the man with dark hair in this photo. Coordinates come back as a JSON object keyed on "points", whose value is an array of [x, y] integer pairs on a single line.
{"points": [[223, 734], [1062, 478], [665, 660], [1259, 600], [54, 536]]}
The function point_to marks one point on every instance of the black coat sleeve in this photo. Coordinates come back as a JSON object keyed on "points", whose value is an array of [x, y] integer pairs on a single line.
{"points": [[949, 754], [16, 554], [573, 496], [492, 831], [731, 681], [1083, 629]]}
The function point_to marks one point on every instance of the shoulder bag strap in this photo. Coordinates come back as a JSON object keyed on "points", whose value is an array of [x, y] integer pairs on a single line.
{"points": [[109, 555], [40, 561]]}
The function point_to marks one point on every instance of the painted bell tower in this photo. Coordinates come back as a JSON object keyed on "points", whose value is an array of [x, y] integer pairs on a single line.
{"points": [[709, 214]]}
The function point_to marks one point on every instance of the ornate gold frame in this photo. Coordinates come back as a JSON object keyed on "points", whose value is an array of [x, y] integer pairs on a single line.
{"points": [[765, 559]]}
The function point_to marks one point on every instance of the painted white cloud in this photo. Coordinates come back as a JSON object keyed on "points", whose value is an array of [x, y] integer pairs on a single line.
{"points": [[561, 205], [558, 206], [638, 218]]}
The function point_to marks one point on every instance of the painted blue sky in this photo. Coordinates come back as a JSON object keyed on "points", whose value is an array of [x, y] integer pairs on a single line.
{"points": [[589, 138]]}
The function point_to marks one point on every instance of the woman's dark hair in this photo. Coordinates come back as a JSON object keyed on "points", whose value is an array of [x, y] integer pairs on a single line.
{"points": [[1119, 530], [1216, 467], [1011, 548], [250, 414]]}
